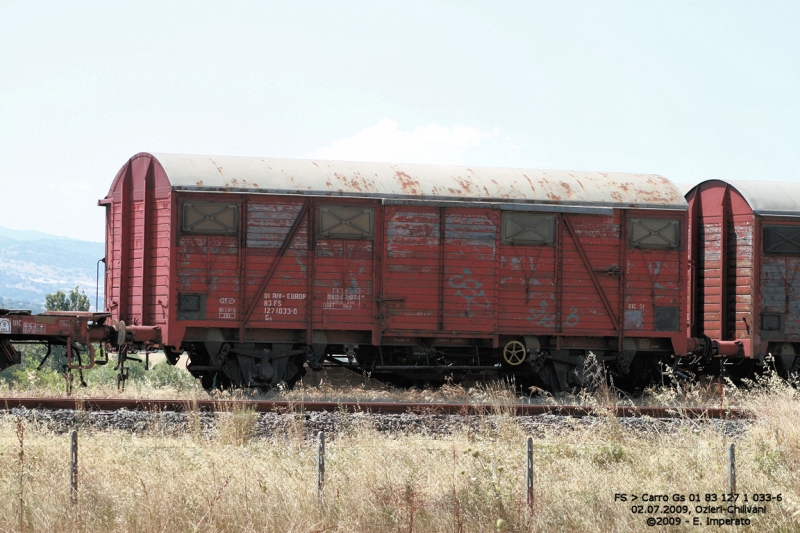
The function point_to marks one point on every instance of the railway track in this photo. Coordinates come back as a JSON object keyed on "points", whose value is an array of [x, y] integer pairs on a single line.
{"points": [[113, 404]]}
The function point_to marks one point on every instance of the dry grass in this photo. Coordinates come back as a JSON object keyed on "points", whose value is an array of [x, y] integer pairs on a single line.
{"points": [[465, 482]]}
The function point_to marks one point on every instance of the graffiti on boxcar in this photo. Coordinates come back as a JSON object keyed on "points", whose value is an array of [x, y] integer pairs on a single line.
{"points": [[472, 296], [548, 320], [542, 317], [655, 268], [572, 318]]}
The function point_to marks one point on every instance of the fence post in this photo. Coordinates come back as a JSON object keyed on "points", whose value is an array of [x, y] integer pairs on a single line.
{"points": [[529, 473], [731, 468], [74, 466], [320, 465]]}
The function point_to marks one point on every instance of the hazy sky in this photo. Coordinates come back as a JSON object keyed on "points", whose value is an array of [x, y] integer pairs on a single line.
{"points": [[690, 90]]}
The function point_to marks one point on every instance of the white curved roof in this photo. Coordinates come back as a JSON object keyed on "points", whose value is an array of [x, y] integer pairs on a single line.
{"points": [[770, 197], [416, 182]]}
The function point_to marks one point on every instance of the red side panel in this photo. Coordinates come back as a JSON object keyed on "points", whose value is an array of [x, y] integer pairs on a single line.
{"points": [[724, 242], [779, 288], [594, 246], [470, 270], [709, 262], [284, 302], [740, 255], [138, 234], [527, 290], [413, 264], [343, 296], [440, 270]]}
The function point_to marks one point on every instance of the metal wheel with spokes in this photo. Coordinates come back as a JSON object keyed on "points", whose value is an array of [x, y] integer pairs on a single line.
{"points": [[514, 353]]}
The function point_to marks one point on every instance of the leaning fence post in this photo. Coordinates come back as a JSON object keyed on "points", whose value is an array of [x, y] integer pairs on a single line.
{"points": [[73, 473], [320, 465], [529, 473], [731, 468]]}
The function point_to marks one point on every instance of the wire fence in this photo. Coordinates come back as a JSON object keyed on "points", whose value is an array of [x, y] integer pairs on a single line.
{"points": [[530, 454]]}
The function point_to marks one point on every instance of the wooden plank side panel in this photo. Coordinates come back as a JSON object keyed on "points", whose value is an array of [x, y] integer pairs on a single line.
{"points": [[740, 279], [412, 268], [343, 284], [709, 276], [207, 265], [527, 290], [780, 291], [284, 302], [113, 261], [582, 306], [653, 279], [470, 270], [135, 272], [160, 262]]}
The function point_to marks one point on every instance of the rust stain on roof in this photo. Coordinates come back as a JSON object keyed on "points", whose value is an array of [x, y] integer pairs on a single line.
{"points": [[219, 168], [466, 185], [533, 188], [410, 185], [421, 181], [355, 185]]}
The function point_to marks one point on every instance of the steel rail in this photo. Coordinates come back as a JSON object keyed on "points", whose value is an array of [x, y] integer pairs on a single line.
{"points": [[264, 406]]}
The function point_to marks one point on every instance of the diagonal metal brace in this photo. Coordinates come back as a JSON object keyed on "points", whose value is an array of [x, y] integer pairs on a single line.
{"points": [[274, 266], [595, 281]]}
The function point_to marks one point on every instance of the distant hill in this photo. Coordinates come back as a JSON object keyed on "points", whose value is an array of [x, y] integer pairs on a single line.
{"points": [[29, 235], [34, 264]]}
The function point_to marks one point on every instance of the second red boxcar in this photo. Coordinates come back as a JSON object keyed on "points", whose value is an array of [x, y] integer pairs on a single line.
{"points": [[256, 266], [745, 247]]}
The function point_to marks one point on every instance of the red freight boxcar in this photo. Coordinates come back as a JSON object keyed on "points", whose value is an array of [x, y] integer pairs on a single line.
{"points": [[256, 266], [745, 247]]}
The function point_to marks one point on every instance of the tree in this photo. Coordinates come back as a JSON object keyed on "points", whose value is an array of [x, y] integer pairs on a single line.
{"points": [[76, 301]]}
